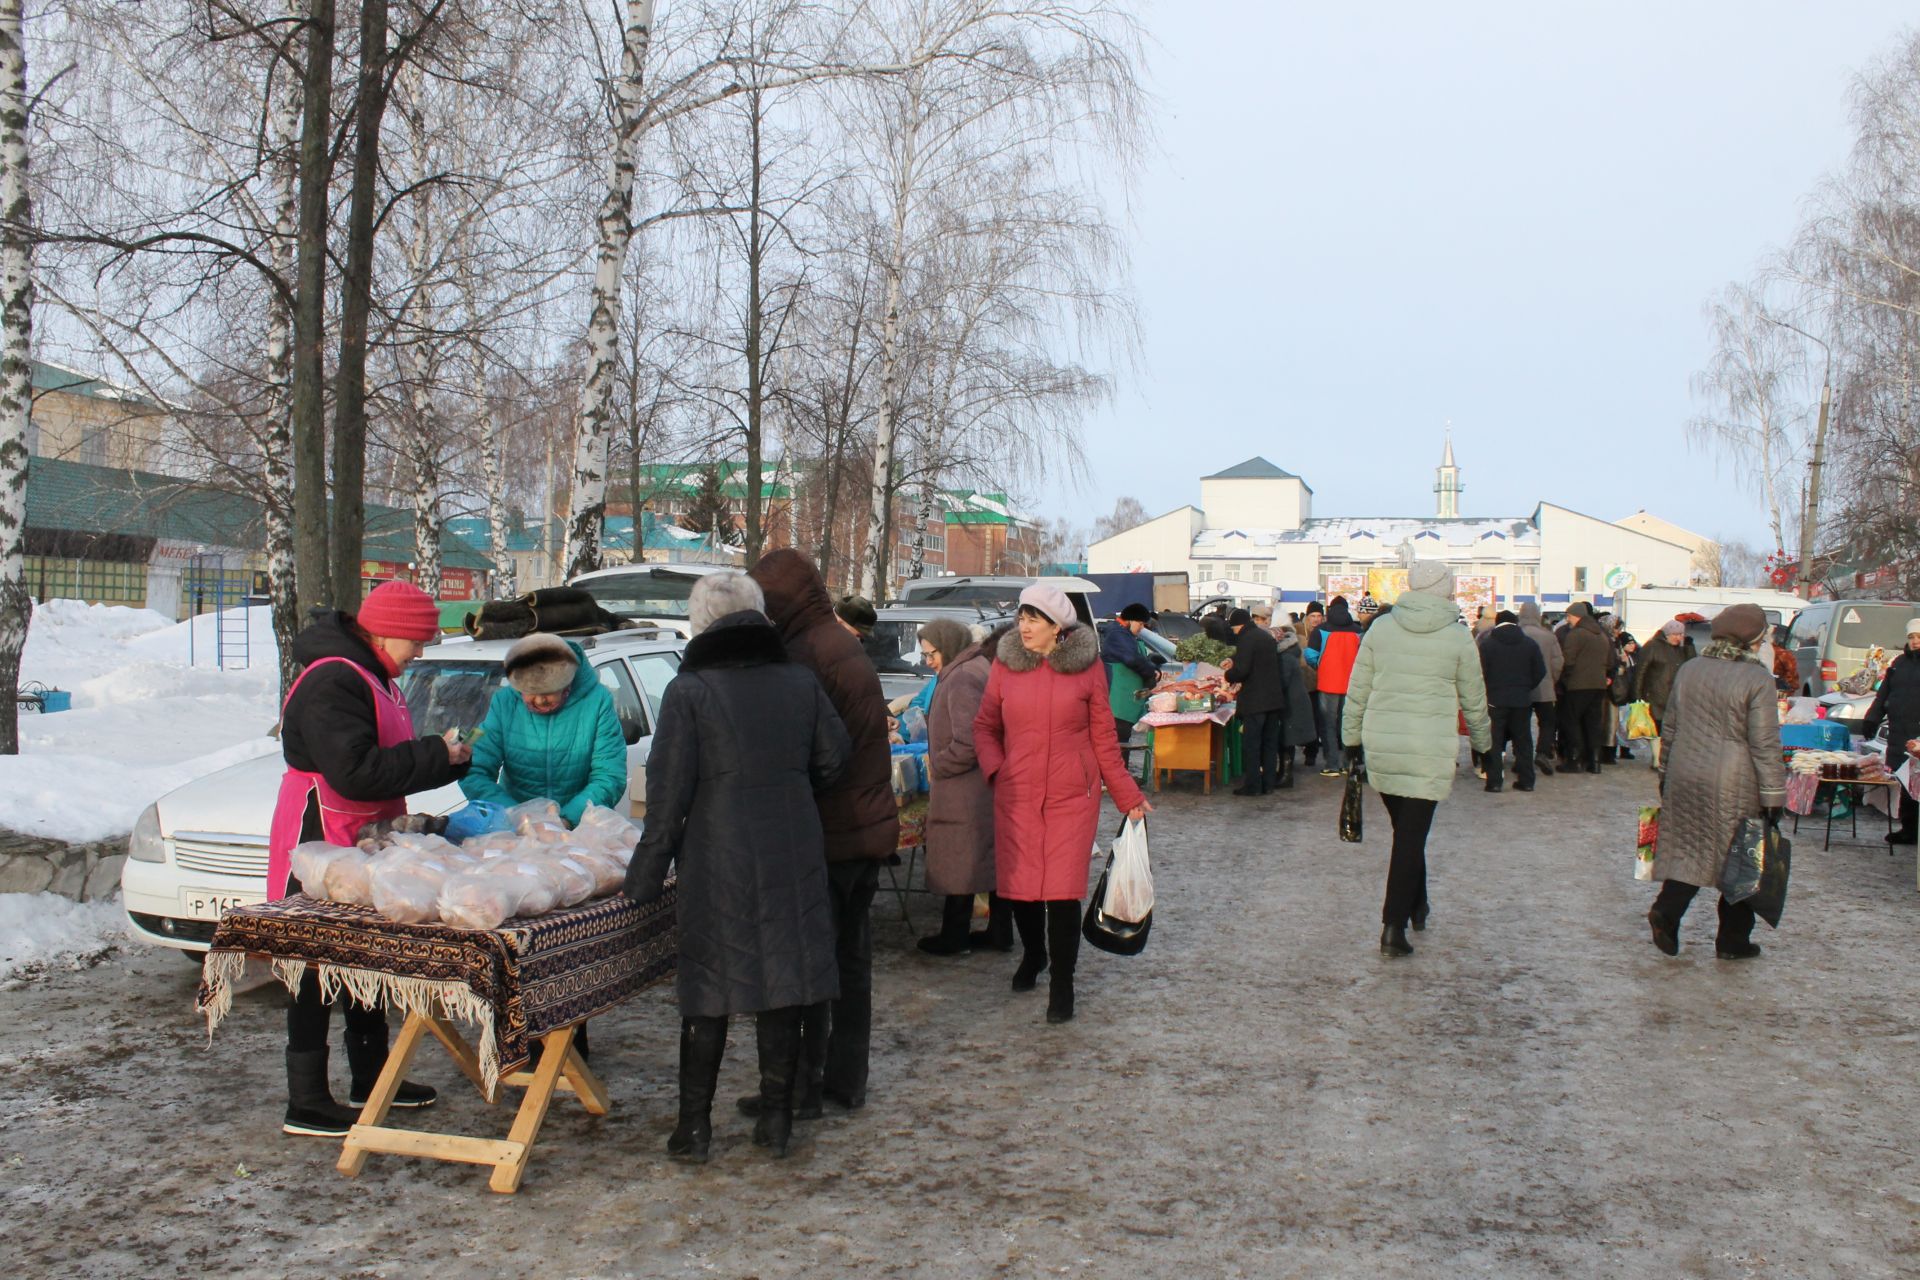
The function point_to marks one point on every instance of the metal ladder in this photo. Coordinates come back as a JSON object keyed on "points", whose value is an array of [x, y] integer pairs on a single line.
{"points": [[207, 585]]}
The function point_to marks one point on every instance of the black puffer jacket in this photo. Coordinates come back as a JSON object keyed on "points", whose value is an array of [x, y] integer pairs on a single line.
{"points": [[859, 814], [1256, 672], [746, 740], [1897, 703], [330, 729], [1512, 665]]}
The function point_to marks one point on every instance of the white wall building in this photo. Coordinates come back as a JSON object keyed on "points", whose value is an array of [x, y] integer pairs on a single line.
{"points": [[1254, 535]]}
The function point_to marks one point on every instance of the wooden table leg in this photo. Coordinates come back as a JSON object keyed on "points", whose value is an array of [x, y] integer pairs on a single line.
{"points": [[556, 1048], [461, 1052], [353, 1154]]}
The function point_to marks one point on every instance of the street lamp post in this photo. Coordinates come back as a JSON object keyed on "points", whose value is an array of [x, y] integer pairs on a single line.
{"points": [[1810, 510]]}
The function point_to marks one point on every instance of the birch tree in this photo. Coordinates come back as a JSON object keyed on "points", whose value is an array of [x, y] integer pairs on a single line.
{"points": [[16, 370], [1754, 386]]}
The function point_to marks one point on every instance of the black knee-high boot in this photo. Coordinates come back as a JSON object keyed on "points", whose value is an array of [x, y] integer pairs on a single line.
{"points": [[1063, 948], [1030, 918], [999, 931], [956, 918], [1285, 780], [702, 1042], [778, 1033]]}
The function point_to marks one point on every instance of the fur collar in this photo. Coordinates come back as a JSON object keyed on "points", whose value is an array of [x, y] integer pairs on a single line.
{"points": [[744, 639], [1073, 654]]}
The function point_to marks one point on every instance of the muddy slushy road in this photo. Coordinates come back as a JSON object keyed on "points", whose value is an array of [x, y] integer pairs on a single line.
{"points": [[1537, 1092]]}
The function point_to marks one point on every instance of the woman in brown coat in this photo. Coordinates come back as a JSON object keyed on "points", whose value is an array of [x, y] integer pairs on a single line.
{"points": [[1722, 736], [960, 812]]}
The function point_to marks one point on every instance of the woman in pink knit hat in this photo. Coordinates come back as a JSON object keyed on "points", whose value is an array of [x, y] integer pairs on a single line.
{"points": [[352, 758]]}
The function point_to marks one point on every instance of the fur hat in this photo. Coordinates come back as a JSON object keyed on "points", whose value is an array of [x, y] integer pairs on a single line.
{"points": [[1136, 612], [1430, 578], [1673, 627], [541, 663], [857, 612], [1505, 616], [1239, 618]]}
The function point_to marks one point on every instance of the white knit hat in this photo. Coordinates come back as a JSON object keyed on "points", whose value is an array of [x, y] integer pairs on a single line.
{"points": [[1913, 625]]}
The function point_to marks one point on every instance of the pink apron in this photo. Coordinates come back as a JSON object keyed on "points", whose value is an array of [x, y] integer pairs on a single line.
{"points": [[340, 818]]}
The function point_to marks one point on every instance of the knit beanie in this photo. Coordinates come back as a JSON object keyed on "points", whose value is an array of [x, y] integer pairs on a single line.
{"points": [[399, 611], [1673, 628], [541, 663], [1239, 618], [1505, 616], [1430, 578]]}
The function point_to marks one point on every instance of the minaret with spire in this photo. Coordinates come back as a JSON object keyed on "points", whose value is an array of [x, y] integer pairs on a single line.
{"points": [[1446, 484]]}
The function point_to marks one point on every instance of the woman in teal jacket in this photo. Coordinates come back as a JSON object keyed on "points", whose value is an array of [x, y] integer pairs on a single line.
{"points": [[551, 732]]}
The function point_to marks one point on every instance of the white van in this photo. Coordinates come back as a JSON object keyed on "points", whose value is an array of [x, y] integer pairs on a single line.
{"points": [[1644, 610], [202, 848]]}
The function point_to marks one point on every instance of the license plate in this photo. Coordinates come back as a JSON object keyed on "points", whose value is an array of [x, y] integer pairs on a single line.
{"points": [[207, 905]]}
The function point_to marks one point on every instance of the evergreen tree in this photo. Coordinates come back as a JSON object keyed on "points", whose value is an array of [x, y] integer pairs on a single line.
{"points": [[708, 512]]}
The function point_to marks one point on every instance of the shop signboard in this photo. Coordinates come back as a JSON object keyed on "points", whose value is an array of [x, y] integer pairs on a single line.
{"points": [[1619, 577], [1475, 591], [1350, 585], [1385, 585]]}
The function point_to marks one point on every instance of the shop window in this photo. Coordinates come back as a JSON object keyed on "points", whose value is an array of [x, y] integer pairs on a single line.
{"points": [[1580, 577]]}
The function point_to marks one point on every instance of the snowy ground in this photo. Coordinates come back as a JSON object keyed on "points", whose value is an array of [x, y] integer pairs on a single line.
{"points": [[38, 930], [1536, 1093], [144, 720]]}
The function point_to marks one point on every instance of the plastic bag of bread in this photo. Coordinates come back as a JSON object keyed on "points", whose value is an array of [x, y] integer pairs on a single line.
{"points": [[405, 892], [480, 901], [541, 894], [350, 880], [494, 842], [423, 843], [600, 824], [535, 813], [310, 863], [572, 874], [609, 873]]}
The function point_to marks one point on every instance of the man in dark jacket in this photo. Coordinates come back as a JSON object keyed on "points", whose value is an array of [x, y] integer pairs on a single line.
{"points": [[858, 818], [1259, 701], [1547, 692], [1513, 668], [1589, 666], [1898, 705]]}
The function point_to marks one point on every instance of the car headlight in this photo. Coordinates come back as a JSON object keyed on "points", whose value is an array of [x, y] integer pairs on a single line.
{"points": [[145, 844]]}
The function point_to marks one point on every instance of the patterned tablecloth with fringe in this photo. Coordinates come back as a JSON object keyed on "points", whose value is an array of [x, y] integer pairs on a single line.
{"points": [[516, 983]]}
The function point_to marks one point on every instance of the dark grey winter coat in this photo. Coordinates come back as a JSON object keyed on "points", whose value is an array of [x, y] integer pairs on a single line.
{"points": [[1722, 736], [960, 806], [1297, 729], [745, 740]]}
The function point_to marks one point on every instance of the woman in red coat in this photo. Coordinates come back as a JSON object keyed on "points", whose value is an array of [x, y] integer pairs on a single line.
{"points": [[1045, 739]]}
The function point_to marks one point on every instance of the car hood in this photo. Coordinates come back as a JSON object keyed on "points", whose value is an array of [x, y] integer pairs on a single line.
{"points": [[239, 800]]}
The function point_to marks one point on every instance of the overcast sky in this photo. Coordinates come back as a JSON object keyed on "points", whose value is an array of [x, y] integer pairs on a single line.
{"points": [[1366, 220]]}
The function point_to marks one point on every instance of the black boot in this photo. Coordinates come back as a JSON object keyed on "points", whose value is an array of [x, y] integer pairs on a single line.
{"points": [[1666, 933], [815, 1022], [1063, 947], [1031, 919], [778, 1033], [1420, 914], [956, 916], [367, 1056], [1285, 781], [1393, 941], [999, 931], [702, 1043], [311, 1110]]}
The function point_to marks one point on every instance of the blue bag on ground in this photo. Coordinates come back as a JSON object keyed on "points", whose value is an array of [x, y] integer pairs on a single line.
{"points": [[477, 818]]}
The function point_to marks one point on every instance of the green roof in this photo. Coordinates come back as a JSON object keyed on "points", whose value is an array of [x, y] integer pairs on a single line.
{"points": [[661, 478], [75, 497], [53, 377]]}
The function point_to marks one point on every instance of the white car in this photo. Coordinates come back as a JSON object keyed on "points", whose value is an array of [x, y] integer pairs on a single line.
{"points": [[202, 848], [654, 594]]}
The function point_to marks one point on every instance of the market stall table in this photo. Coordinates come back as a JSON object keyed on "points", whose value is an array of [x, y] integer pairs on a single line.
{"points": [[1185, 741], [1802, 788], [529, 982], [912, 842]]}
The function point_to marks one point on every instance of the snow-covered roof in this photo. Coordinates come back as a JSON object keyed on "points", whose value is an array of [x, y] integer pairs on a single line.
{"points": [[1390, 531]]}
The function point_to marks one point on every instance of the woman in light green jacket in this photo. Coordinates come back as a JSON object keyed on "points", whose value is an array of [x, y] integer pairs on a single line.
{"points": [[1416, 674]]}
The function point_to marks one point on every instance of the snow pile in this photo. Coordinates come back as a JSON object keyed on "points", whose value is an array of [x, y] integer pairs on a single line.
{"points": [[143, 721], [36, 928]]}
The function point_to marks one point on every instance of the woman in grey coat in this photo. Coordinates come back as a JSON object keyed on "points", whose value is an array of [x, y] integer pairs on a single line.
{"points": [[1722, 739], [744, 741], [960, 803]]}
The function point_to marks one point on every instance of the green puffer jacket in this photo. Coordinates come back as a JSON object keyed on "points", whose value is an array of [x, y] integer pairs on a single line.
{"points": [[575, 756], [1416, 673]]}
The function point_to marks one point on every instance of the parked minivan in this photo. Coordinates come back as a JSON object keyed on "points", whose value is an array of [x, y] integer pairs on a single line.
{"points": [[1830, 638]]}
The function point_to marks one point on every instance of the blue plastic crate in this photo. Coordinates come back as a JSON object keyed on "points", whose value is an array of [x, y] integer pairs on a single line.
{"points": [[1821, 735]]}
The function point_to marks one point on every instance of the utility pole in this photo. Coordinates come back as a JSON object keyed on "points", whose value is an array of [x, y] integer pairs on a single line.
{"points": [[1810, 508]]}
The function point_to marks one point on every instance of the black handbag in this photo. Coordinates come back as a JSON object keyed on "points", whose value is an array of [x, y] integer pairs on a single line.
{"points": [[1118, 937], [1353, 803]]}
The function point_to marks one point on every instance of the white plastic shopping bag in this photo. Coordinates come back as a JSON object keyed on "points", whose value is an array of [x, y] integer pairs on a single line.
{"points": [[1130, 880]]}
